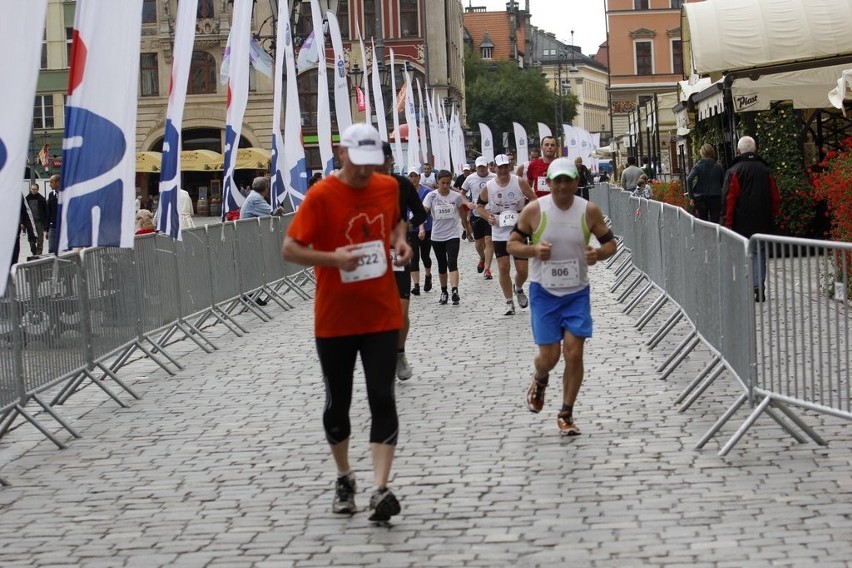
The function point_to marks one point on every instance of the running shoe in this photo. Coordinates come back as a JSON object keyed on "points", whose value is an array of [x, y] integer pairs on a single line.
{"points": [[481, 266], [416, 290], [565, 423], [535, 394], [455, 298], [427, 285], [383, 505], [488, 275], [344, 495], [523, 301], [403, 369], [509, 308], [444, 297]]}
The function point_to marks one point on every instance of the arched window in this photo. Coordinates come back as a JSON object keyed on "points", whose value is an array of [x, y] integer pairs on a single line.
{"points": [[205, 9], [202, 74]]}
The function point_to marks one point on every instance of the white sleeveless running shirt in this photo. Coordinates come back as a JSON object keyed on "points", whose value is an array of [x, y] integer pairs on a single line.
{"points": [[566, 272]]}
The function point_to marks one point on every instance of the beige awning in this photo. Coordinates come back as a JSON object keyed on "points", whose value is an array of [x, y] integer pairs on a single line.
{"points": [[253, 159], [148, 162], [722, 36], [201, 161]]}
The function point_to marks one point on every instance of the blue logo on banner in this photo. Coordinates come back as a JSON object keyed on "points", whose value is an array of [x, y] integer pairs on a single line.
{"points": [[3, 154], [228, 202], [277, 177], [168, 198], [299, 181], [102, 149]]}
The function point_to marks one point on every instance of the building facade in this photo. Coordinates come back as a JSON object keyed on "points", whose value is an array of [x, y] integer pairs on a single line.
{"points": [[500, 36], [645, 54], [569, 70], [401, 25]]}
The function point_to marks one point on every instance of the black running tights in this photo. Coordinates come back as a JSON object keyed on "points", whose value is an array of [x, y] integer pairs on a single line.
{"points": [[447, 255], [378, 356]]}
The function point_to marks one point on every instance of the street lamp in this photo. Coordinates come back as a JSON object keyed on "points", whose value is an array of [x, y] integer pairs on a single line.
{"points": [[573, 69], [355, 75]]}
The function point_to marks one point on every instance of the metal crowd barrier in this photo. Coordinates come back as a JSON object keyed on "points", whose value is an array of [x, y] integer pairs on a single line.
{"points": [[792, 350], [79, 317]]}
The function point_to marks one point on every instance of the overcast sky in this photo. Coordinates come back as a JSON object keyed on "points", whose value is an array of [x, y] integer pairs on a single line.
{"points": [[585, 17]]}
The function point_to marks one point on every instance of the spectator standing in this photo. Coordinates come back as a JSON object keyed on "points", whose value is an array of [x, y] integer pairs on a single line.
{"points": [[751, 201], [630, 175], [41, 220], [585, 179], [704, 185], [53, 212]]}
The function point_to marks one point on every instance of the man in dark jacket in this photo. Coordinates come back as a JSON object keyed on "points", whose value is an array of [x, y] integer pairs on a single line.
{"points": [[53, 215], [38, 206], [751, 202], [25, 223], [706, 194]]}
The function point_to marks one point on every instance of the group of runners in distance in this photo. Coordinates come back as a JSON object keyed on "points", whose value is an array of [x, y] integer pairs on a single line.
{"points": [[367, 232]]}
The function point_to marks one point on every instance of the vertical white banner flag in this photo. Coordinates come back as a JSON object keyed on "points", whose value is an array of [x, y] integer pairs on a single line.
{"points": [[444, 140], [411, 121], [277, 187], [99, 148], [572, 141], [381, 121], [397, 143], [543, 131], [341, 82], [168, 216], [434, 132], [487, 147], [295, 168], [457, 142], [365, 80], [21, 30], [424, 147], [238, 85], [522, 154], [323, 105]]}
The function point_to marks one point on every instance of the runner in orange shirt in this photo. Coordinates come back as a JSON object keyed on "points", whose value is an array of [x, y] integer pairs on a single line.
{"points": [[346, 227]]}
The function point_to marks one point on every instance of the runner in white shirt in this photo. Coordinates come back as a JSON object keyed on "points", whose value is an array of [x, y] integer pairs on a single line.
{"points": [[499, 203], [428, 178], [471, 188], [447, 208]]}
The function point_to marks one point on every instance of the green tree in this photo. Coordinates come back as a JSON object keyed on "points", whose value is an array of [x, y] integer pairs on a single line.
{"points": [[499, 93]]}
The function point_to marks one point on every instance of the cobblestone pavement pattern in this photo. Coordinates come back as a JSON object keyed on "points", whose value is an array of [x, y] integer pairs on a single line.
{"points": [[225, 464]]}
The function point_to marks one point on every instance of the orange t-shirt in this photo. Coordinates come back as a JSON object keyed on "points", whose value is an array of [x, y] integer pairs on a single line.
{"points": [[333, 215]]}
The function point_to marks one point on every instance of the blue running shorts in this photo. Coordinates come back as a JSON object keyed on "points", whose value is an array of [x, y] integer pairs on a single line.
{"points": [[552, 315]]}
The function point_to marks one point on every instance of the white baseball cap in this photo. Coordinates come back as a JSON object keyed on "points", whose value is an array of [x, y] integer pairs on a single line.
{"points": [[502, 160], [363, 144], [481, 161], [466, 167], [562, 167], [414, 171]]}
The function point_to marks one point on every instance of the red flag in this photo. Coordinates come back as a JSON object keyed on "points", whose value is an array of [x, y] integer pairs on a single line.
{"points": [[359, 97], [44, 156]]}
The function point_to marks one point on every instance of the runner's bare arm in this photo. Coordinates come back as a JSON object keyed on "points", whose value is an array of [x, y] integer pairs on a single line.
{"points": [[294, 251], [481, 202], [518, 244], [527, 190], [399, 243], [597, 225]]}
